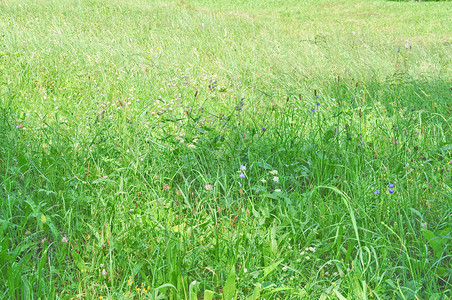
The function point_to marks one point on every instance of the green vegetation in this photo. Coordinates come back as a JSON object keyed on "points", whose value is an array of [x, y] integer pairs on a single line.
{"points": [[225, 149]]}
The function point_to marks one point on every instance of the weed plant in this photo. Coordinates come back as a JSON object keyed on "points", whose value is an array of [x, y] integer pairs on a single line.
{"points": [[209, 150]]}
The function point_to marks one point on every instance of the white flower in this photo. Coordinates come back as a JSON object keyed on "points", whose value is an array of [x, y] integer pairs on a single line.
{"points": [[274, 172], [275, 179], [104, 272], [277, 190], [263, 180]]}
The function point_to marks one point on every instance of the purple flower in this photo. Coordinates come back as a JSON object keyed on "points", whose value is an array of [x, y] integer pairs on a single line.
{"points": [[313, 110], [242, 168], [242, 175], [317, 97], [263, 128], [240, 184], [391, 185], [318, 104], [391, 191], [377, 192]]}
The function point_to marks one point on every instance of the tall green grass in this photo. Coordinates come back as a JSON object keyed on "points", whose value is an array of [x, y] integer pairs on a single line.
{"points": [[253, 150]]}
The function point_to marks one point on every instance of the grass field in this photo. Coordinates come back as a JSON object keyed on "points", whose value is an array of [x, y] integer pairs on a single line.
{"points": [[219, 149]]}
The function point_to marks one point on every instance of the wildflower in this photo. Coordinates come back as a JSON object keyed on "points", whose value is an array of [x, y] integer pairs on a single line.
{"points": [[313, 110], [104, 272], [391, 186], [275, 179], [318, 104], [377, 192], [101, 265], [240, 184], [274, 172], [391, 191], [263, 180], [263, 128], [242, 168], [208, 187], [242, 175], [308, 258], [131, 210], [65, 239], [277, 191]]}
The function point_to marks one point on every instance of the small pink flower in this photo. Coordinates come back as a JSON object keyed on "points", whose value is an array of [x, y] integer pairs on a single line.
{"points": [[65, 239], [208, 187]]}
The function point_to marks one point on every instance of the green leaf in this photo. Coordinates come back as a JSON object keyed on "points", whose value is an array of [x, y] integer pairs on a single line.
{"points": [[436, 242], [78, 260], [208, 295], [339, 295], [256, 293], [3, 226], [192, 291], [446, 148], [328, 134], [264, 165], [270, 268], [229, 290]]}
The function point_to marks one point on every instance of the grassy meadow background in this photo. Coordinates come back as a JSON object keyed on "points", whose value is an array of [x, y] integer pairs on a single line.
{"points": [[225, 149]]}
